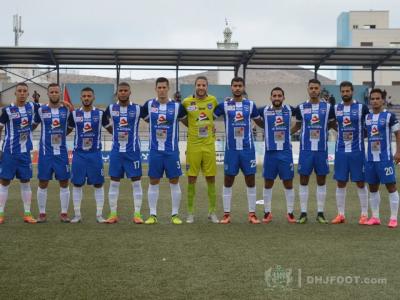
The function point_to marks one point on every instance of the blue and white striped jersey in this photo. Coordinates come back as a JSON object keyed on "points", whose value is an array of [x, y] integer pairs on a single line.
{"points": [[18, 121], [379, 132], [87, 125], [163, 124], [277, 124], [238, 116], [125, 123], [314, 120]]}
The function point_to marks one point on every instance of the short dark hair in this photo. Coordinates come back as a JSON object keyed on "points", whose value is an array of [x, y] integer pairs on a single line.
{"points": [[87, 89], [346, 83], [21, 84], [124, 83], [277, 88], [162, 79], [379, 91], [53, 84], [237, 79], [314, 80], [201, 78]]}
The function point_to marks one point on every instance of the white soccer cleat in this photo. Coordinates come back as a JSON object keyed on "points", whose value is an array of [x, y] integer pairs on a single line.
{"points": [[100, 219], [213, 218], [76, 219], [190, 219]]}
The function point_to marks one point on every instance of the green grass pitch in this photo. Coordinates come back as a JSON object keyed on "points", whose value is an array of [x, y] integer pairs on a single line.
{"points": [[200, 260]]}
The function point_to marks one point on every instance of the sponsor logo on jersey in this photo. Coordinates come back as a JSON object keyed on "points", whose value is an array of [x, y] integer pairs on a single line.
{"points": [[374, 130], [346, 121], [307, 111], [55, 123], [162, 120], [15, 115], [203, 116], [192, 108], [314, 119], [154, 109], [339, 113], [46, 115], [24, 122], [115, 113], [239, 116], [279, 121], [87, 127], [123, 121], [79, 119]]}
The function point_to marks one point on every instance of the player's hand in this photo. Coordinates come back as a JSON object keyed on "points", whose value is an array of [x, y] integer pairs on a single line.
{"points": [[397, 157], [68, 105]]}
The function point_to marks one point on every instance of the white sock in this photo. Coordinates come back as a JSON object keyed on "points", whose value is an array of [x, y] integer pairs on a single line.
{"points": [[41, 195], [152, 197], [341, 200], [394, 204], [375, 200], [267, 195], [26, 195], [113, 194], [363, 196], [77, 199], [303, 195], [176, 196], [252, 198], [137, 195], [289, 195], [321, 196], [64, 199], [3, 197], [99, 197], [227, 198]]}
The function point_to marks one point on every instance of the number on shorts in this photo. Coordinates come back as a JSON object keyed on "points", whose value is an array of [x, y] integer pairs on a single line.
{"points": [[388, 171], [136, 164], [253, 163], [178, 164]]}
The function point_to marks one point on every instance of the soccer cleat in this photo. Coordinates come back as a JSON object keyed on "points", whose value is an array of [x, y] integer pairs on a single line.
{"points": [[151, 220], [267, 218], [176, 220], [321, 218], [42, 218], [291, 218], [1, 218], [100, 219], [29, 219], [253, 218], [76, 219], [374, 221], [64, 218], [392, 223], [137, 218], [338, 219], [112, 218], [226, 219], [363, 220], [302, 219], [190, 219], [213, 218]]}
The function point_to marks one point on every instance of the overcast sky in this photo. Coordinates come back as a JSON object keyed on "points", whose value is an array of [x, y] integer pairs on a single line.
{"points": [[179, 23]]}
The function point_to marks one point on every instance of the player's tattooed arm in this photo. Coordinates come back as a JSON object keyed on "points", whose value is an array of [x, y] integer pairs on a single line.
{"points": [[35, 125], [396, 156], [69, 130], [296, 127], [185, 122], [110, 129], [259, 122], [332, 125]]}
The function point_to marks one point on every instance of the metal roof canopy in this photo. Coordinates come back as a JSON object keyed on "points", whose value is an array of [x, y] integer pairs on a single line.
{"points": [[257, 57]]}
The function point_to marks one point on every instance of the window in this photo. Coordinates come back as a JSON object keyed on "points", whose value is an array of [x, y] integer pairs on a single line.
{"points": [[366, 44], [369, 26], [355, 26], [394, 44], [395, 82], [367, 83]]}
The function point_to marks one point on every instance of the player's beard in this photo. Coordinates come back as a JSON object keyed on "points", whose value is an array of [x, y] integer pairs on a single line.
{"points": [[201, 93], [276, 104], [87, 104], [54, 101], [346, 98]]}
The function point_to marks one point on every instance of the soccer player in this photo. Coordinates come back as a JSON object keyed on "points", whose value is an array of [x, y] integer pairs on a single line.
{"points": [[163, 115], [314, 117], [53, 154], [87, 161], [379, 167], [350, 152], [278, 158], [17, 118], [238, 112], [200, 154], [125, 156]]}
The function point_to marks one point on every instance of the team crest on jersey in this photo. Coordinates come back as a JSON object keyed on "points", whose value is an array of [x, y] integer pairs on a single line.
{"points": [[162, 120], [24, 122], [209, 106], [374, 130], [55, 123], [346, 121], [314, 119], [279, 121], [239, 116], [203, 116], [87, 127], [123, 121]]}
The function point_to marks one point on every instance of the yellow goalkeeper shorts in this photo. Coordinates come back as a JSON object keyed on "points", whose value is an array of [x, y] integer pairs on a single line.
{"points": [[201, 158]]}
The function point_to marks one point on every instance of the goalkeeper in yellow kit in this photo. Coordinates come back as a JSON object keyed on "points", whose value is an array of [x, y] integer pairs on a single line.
{"points": [[200, 154]]}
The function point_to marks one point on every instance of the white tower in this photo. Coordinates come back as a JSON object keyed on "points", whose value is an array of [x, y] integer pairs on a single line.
{"points": [[224, 77]]}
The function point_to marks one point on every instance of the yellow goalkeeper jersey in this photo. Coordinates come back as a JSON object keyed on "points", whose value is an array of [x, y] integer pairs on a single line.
{"points": [[200, 113]]}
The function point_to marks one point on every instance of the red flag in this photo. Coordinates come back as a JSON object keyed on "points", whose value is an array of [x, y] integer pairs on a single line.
{"points": [[67, 98]]}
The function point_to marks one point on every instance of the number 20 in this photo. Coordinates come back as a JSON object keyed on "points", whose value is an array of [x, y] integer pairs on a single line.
{"points": [[388, 171]]}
